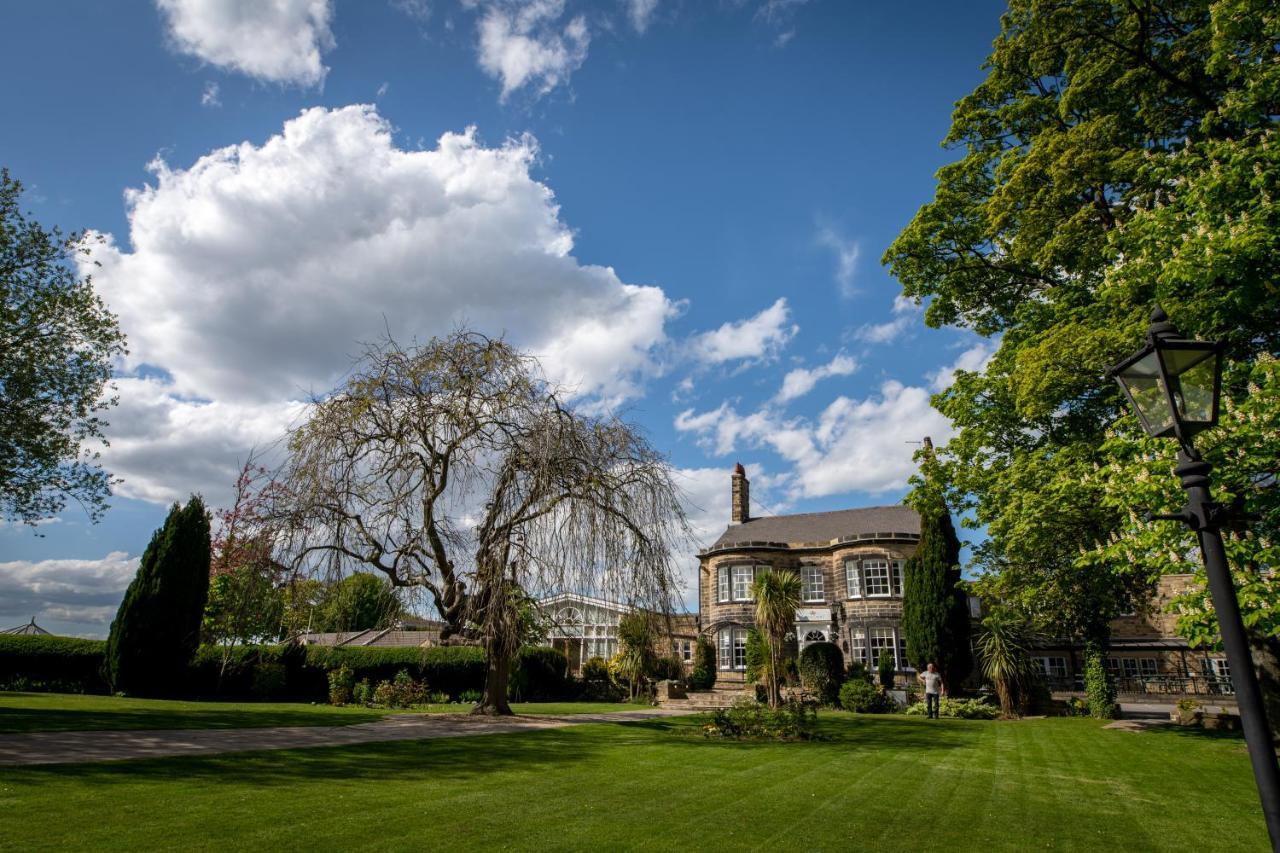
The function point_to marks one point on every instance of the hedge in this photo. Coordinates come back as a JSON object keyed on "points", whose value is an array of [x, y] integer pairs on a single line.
{"points": [[286, 671], [61, 664]]}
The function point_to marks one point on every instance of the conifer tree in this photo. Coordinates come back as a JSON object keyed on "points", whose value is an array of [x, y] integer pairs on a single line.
{"points": [[935, 615], [157, 628]]}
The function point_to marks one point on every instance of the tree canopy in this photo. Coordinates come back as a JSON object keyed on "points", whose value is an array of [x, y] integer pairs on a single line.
{"points": [[454, 466], [1118, 154], [58, 342]]}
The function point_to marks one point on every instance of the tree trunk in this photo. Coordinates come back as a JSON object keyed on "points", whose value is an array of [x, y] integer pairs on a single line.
{"points": [[1265, 652], [493, 702]]}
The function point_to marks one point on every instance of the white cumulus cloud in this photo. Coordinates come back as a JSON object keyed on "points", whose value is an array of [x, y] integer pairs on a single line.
{"points": [[254, 273], [279, 41], [756, 338], [973, 360], [905, 314], [522, 43], [853, 445], [78, 593], [802, 380]]}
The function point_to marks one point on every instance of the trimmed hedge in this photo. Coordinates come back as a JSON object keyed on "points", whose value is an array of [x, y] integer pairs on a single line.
{"points": [[68, 665], [54, 664]]}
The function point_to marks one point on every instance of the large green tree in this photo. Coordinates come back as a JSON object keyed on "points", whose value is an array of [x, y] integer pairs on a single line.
{"points": [[57, 345], [358, 602], [157, 629], [1118, 154]]}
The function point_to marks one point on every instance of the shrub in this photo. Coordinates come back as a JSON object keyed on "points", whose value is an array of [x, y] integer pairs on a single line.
{"points": [[669, 668], [857, 671], [60, 664], [362, 693], [964, 709], [821, 669], [756, 720], [1098, 685], [703, 676], [469, 697], [864, 697], [595, 669], [341, 683], [438, 698], [1076, 707], [884, 668]]}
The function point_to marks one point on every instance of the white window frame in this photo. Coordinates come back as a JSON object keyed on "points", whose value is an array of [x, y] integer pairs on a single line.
{"points": [[880, 637], [1053, 666], [895, 578], [877, 565], [858, 646], [724, 583], [1148, 667], [813, 592], [732, 646], [743, 592], [852, 579]]}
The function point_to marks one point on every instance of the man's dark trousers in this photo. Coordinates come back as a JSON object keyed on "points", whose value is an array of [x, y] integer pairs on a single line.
{"points": [[931, 703]]}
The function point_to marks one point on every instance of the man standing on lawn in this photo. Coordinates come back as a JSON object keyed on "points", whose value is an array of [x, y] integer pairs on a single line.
{"points": [[933, 690]]}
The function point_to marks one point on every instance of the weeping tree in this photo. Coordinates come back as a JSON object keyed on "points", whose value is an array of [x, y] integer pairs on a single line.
{"points": [[777, 595], [455, 467]]}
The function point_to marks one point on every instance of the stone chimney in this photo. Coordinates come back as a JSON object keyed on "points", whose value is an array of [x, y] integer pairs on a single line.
{"points": [[741, 496]]}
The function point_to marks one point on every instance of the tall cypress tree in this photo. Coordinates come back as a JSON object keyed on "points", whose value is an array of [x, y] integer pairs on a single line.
{"points": [[157, 629], [935, 614]]}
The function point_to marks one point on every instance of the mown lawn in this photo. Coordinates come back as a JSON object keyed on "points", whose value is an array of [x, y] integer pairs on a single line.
{"points": [[62, 712], [877, 783]]}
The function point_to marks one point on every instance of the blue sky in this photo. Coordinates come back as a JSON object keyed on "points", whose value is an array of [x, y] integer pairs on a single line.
{"points": [[680, 206]]}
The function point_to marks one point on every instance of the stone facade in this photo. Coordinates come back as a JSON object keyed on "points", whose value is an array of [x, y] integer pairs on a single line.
{"points": [[850, 563]]}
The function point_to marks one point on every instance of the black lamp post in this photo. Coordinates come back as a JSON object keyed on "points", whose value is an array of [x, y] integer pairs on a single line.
{"points": [[1174, 385]]}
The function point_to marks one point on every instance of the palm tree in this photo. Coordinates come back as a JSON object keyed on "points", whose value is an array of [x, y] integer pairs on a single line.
{"points": [[636, 634], [777, 594], [1006, 660]]}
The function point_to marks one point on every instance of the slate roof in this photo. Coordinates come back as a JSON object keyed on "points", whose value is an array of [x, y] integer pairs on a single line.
{"points": [[823, 528]]}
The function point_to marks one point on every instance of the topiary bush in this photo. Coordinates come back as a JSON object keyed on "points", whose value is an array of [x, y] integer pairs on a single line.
{"points": [[821, 668], [884, 668], [52, 664], [1098, 685]]}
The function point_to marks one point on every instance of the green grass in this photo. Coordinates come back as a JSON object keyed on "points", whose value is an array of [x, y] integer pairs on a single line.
{"points": [[64, 712], [878, 783]]}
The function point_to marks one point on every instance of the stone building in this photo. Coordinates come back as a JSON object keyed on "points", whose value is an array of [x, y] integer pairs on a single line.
{"points": [[1145, 653], [850, 566]]}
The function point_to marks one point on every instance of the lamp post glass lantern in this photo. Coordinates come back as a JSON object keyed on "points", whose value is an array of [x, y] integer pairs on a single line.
{"points": [[1174, 384]]}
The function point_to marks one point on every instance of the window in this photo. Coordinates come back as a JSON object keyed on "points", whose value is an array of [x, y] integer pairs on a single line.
{"points": [[876, 576], [722, 583], [686, 650], [897, 578], [1130, 668], [1147, 667], [858, 646], [733, 648], [1054, 667], [903, 663], [811, 576], [742, 578], [852, 579], [815, 637], [882, 638]]}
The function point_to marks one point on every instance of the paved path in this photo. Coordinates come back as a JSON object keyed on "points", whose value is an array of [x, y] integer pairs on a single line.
{"points": [[75, 747]]}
